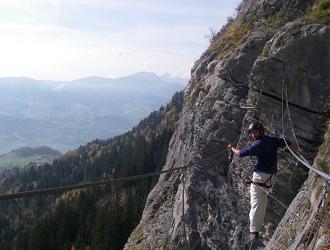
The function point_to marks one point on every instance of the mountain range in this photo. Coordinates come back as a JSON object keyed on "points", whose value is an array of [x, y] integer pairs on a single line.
{"points": [[64, 115]]}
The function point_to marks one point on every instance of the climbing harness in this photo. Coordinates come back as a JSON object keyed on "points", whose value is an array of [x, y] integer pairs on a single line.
{"points": [[262, 184]]}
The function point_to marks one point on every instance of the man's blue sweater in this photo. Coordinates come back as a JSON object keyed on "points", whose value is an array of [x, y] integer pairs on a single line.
{"points": [[266, 151]]}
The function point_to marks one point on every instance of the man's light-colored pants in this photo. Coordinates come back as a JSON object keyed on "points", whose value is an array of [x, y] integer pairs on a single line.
{"points": [[258, 201]]}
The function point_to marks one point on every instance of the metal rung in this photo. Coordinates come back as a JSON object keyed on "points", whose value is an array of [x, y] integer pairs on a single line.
{"points": [[249, 107]]}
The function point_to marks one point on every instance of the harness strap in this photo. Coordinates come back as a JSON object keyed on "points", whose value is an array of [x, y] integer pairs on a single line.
{"points": [[270, 177], [261, 184]]}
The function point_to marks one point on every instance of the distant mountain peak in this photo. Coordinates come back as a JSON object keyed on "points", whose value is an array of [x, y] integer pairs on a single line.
{"points": [[89, 79], [145, 74], [150, 76]]}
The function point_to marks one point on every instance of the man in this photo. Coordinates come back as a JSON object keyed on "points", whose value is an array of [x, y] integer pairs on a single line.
{"points": [[265, 148]]}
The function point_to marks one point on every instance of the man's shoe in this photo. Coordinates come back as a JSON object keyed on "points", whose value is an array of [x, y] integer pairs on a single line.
{"points": [[254, 235]]}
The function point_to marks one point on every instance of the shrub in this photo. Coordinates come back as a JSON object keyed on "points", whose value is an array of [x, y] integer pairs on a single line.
{"points": [[287, 36], [320, 13], [266, 50], [229, 38]]}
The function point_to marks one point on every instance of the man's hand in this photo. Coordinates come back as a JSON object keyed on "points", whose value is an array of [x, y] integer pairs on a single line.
{"points": [[233, 149]]}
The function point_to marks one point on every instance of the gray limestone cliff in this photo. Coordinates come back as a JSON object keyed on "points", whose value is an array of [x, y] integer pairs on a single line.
{"points": [[270, 48], [306, 224]]}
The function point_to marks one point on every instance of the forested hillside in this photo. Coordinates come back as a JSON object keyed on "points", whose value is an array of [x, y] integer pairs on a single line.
{"points": [[100, 218]]}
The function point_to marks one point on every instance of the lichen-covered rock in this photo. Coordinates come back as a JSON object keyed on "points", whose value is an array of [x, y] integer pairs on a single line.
{"points": [[237, 67], [206, 206]]}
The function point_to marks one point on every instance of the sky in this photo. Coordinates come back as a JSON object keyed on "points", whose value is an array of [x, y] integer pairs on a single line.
{"points": [[70, 39]]}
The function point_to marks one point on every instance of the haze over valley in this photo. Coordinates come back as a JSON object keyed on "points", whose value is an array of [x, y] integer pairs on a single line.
{"points": [[64, 115]]}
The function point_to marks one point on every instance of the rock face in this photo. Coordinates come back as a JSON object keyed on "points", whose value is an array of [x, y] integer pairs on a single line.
{"points": [[239, 79], [309, 228]]}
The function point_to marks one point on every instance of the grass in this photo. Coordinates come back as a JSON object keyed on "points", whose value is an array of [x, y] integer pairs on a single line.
{"points": [[266, 49], [320, 13], [187, 99], [228, 39], [323, 158], [139, 232], [287, 36], [276, 20], [231, 35]]}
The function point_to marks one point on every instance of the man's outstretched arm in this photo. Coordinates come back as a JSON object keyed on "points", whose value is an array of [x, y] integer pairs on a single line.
{"points": [[234, 150], [249, 150]]}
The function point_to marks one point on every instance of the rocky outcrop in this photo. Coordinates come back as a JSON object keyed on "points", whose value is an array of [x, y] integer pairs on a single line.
{"points": [[206, 206], [262, 9], [306, 225]]}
